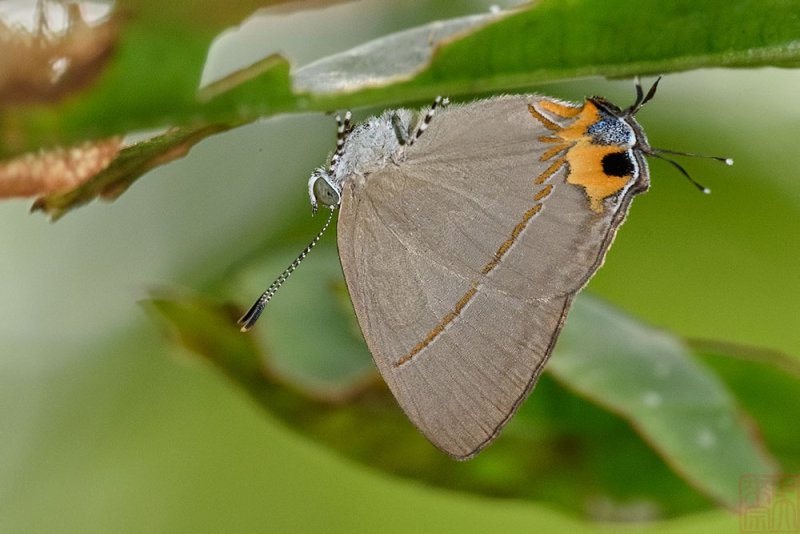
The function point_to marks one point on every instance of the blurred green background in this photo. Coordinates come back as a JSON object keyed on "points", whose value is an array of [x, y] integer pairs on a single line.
{"points": [[106, 426]]}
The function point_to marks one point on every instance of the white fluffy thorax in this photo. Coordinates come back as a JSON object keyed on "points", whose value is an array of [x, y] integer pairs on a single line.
{"points": [[372, 145]]}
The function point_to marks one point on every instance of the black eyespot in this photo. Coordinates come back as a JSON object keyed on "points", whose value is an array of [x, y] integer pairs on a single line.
{"points": [[618, 164]]}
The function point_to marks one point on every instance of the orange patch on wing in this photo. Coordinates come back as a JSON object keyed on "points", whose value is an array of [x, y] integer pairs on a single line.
{"points": [[560, 109], [552, 152], [550, 170], [547, 123], [544, 192], [584, 157], [586, 169]]}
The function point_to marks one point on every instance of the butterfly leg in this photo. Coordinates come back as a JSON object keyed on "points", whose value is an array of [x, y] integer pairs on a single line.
{"points": [[399, 131], [342, 130], [428, 116]]}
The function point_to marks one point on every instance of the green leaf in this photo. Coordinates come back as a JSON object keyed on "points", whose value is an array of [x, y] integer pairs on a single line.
{"points": [[650, 378], [580, 457], [766, 385], [581, 452], [153, 80], [555, 40]]}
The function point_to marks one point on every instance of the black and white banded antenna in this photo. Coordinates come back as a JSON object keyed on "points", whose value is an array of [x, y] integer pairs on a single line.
{"points": [[249, 319]]}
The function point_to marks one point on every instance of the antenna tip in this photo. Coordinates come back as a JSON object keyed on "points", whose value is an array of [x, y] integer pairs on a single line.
{"points": [[245, 328], [729, 161], [706, 190]]}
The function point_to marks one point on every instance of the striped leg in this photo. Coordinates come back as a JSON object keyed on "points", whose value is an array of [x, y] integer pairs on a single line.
{"points": [[343, 128], [427, 120]]}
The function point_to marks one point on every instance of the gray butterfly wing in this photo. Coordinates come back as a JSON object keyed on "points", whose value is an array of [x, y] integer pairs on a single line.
{"points": [[460, 284]]}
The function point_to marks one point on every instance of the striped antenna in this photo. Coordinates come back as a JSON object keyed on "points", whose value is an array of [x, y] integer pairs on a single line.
{"points": [[249, 319]]}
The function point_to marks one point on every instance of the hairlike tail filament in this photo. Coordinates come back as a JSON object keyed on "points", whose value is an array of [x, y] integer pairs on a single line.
{"points": [[656, 153]]}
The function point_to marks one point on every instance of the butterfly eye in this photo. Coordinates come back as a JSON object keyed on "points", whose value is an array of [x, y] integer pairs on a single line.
{"points": [[325, 192]]}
